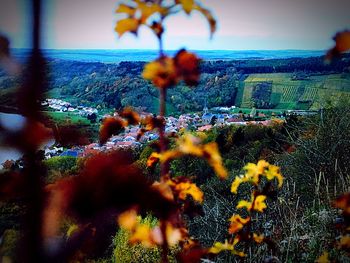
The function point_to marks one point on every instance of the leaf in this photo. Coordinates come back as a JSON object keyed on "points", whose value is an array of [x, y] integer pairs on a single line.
{"points": [[259, 203], [128, 219], [183, 187], [148, 9], [342, 44], [132, 117], [187, 65], [209, 17], [274, 172], [324, 258], [258, 238], [237, 223], [187, 5], [111, 126], [161, 72], [122, 8], [127, 25], [235, 184], [343, 202]]}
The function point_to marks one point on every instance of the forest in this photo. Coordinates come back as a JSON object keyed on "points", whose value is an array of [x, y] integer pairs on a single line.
{"points": [[222, 83]]}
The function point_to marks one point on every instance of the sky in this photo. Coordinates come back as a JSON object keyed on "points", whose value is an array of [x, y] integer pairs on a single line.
{"points": [[242, 25]]}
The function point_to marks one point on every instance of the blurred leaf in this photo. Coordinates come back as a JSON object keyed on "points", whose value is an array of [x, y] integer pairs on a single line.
{"points": [[127, 25]]}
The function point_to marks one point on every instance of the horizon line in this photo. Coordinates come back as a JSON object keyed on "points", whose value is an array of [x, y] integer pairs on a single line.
{"points": [[156, 50]]}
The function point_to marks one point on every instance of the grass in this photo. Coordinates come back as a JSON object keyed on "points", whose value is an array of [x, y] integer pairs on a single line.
{"points": [[67, 117]]}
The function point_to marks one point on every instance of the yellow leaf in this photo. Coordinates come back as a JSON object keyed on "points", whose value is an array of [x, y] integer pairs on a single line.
{"points": [[244, 204], [235, 184], [258, 238], [72, 228], [161, 72], [259, 203], [188, 188], [211, 153], [153, 159], [128, 219], [208, 15], [218, 247], [237, 223], [143, 235], [324, 258], [344, 242], [148, 9], [274, 172], [122, 8], [173, 235], [127, 25], [187, 5]]}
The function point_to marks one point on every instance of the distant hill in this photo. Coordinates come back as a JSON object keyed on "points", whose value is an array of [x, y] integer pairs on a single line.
{"points": [[288, 83]]}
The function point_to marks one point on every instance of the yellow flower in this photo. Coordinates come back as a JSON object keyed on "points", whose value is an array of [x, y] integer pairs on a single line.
{"points": [[237, 223], [344, 242]]}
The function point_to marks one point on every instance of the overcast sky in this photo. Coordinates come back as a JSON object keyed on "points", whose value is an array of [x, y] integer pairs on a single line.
{"points": [[242, 25]]}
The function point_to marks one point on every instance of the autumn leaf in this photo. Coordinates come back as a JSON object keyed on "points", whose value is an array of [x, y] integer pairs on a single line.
{"points": [[122, 8], [111, 126], [183, 187], [128, 219], [274, 172], [342, 44], [208, 15], [187, 5], [132, 117], [236, 183], [161, 72], [187, 65], [343, 202], [258, 205], [324, 258], [258, 238], [127, 25], [237, 223]]}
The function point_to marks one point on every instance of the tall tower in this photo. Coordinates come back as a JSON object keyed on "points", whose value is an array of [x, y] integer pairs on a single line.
{"points": [[205, 109]]}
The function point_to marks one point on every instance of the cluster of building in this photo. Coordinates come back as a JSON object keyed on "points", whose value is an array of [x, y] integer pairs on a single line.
{"points": [[203, 121], [63, 106]]}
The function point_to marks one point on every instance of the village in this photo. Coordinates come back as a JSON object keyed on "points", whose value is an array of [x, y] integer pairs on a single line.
{"points": [[201, 121]]}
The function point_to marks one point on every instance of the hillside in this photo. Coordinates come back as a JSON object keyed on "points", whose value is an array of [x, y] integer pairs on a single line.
{"points": [[293, 83]]}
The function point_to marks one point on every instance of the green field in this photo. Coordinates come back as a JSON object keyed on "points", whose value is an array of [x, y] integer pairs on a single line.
{"points": [[293, 93]]}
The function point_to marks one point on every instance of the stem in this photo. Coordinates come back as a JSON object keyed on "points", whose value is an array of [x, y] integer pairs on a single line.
{"points": [[164, 167]]}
